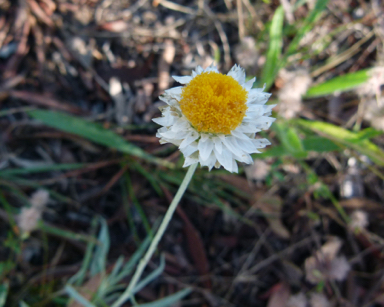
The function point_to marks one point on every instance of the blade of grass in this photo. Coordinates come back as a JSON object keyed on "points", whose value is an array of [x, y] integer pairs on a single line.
{"points": [[94, 132], [271, 66], [65, 233], [307, 25], [136, 203], [339, 84], [100, 253], [48, 168], [354, 140], [169, 300], [3, 293], [152, 276], [78, 278], [149, 177], [77, 296], [127, 209]]}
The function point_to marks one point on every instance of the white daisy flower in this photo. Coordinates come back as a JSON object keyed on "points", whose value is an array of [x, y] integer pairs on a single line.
{"points": [[214, 118]]}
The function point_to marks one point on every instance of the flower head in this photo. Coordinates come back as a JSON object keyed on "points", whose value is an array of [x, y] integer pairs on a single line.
{"points": [[214, 118]]}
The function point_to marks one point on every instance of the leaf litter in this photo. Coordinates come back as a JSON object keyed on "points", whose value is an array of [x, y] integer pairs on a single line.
{"points": [[302, 227]]}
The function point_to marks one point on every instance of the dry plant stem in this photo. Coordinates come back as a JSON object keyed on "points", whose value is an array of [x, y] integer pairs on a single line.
{"points": [[129, 292]]}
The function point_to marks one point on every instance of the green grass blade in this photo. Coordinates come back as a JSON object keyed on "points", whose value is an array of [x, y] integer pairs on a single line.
{"points": [[99, 260], [77, 296], [308, 24], [319, 144], [169, 300], [339, 84], [152, 276], [271, 66], [290, 140], [94, 132], [79, 277], [354, 140], [65, 233], [3, 293], [48, 168]]}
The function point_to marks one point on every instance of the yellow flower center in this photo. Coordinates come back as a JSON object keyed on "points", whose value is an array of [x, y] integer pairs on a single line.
{"points": [[214, 103]]}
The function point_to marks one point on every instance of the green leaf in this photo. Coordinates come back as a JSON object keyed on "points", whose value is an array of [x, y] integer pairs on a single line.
{"points": [[271, 66], [169, 300], [354, 140], [339, 84], [94, 132]]}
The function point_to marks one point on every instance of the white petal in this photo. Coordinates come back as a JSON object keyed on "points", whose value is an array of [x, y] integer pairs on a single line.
{"points": [[204, 137], [192, 136], [225, 158], [218, 144], [205, 149], [256, 96], [189, 161], [261, 143], [247, 128], [237, 73], [236, 133], [248, 85], [231, 144], [245, 158], [235, 168], [211, 68], [210, 162], [247, 145], [163, 121], [190, 149], [197, 71], [181, 124], [182, 79]]}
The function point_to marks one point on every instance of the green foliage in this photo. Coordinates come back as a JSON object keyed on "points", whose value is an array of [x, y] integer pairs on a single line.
{"points": [[3, 293], [271, 66], [95, 262], [94, 132], [339, 84], [358, 141], [308, 23]]}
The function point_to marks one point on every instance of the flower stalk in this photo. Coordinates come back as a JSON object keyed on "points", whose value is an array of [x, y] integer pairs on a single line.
{"points": [[130, 291]]}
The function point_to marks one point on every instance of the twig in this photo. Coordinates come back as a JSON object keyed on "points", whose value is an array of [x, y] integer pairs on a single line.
{"points": [[223, 36], [342, 56], [175, 7], [240, 19]]}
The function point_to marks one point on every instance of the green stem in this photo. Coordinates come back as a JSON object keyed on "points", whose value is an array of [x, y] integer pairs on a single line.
{"points": [[129, 292]]}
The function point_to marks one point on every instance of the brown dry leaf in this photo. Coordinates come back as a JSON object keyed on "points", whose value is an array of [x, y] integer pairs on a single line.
{"points": [[272, 206], [29, 217], [324, 265], [279, 296], [88, 290], [258, 171]]}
